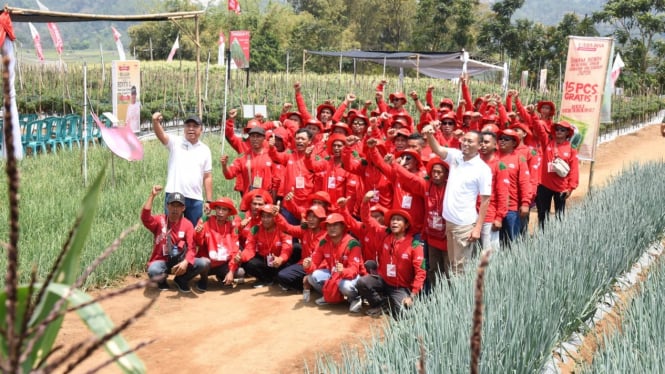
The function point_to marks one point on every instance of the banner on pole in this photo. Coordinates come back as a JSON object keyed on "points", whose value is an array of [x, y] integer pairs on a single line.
{"points": [[239, 41], [126, 89], [221, 48], [524, 79], [584, 83]]}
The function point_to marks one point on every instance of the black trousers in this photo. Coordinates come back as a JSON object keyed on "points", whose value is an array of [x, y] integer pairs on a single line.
{"points": [[258, 268], [376, 291], [544, 197]]}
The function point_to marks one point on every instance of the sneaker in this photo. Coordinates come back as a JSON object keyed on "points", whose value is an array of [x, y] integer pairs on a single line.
{"points": [[202, 284], [162, 286], [356, 305], [240, 273], [182, 285], [305, 296], [321, 301], [262, 284], [375, 311]]}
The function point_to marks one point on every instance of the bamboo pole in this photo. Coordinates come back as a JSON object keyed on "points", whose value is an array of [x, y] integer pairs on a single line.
{"points": [[198, 69]]}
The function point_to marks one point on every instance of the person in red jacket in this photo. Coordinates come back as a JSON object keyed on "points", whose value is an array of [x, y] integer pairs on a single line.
{"points": [[255, 167], [519, 188], [217, 240], [431, 189], [552, 185], [400, 274], [173, 248], [309, 234], [498, 206], [267, 250], [337, 252]]}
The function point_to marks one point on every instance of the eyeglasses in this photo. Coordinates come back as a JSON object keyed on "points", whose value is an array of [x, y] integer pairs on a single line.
{"points": [[505, 138], [408, 157], [448, 123], [561, 129], [359, 123]]}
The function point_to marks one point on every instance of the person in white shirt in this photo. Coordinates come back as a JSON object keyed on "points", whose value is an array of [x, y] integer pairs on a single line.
{"points": [[469, 178], [189, 166]]}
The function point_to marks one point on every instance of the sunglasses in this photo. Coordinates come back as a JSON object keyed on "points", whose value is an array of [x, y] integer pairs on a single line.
{"points": [[359, 123], [408, 157], [562, 129], [506, 138], [448, 123]]}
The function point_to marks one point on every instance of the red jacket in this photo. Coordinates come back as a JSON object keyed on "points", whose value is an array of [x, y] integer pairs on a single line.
{"points": [[402, 198], [432, 216], [372, 178], [498, 207], [262, 242], [218, 242], [347, 252], [308, 238], [519, 188], [564, 151], [255, 171], [406, 254], [329, 176], [181, 234], [295, 176]]}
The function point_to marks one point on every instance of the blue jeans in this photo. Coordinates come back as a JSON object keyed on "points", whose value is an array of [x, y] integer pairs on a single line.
{"points": [[348, 288], [201, 266], [511, 226], [318, 278], [193, 208]]}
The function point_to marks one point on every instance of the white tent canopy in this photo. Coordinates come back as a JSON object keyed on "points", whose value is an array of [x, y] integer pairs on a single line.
{"points": [[446, 65]]}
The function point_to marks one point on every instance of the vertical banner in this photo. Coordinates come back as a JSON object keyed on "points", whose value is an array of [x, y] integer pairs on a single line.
{"points": [[543, 81], [584, 83], [221, 49], [126, 89], [524, 80], [37, 41], [239, 41]]}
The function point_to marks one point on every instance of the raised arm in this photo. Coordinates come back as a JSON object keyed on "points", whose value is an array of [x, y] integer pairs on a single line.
{"points": [[439, 150], [159, 130]]}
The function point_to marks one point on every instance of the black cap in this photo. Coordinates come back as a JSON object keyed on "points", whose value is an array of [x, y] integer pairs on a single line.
{"points": [[257, 130], [194, 119], [176, 197]]}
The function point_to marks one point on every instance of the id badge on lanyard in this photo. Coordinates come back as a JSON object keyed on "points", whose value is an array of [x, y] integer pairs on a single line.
{"points": [[300, 182]]}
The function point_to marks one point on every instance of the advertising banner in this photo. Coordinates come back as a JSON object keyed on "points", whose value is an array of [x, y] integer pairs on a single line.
{"points": [[239, 42], [126, 91], [584, 84]]}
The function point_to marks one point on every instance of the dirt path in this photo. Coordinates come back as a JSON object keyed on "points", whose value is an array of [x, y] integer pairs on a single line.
{"points": [[270, 331]]}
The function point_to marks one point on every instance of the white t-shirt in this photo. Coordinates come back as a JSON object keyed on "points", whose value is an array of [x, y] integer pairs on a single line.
{"points": [[133, 116], [187, 164], [466, 180]]}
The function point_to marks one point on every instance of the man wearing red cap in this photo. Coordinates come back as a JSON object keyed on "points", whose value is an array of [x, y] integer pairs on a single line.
{"points": [[329, 175], [267, 250], [338, 252], [217, 240], [291, 277], [173, 247], [469, 179], [556, 184], [400, 271], [297, 179], [498, 206], [519, 188]]}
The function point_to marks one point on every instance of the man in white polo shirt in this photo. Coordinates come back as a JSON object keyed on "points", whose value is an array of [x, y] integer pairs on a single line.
{"points": [[469, 178], [189, 167]]}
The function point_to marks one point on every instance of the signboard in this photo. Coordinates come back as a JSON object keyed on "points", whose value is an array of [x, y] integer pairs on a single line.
{"points": [[239, 44], [584, 83], [126, 90]]}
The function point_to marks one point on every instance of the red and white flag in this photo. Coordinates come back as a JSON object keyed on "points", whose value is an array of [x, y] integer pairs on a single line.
{"points": [[37, 40], [175, 47], [53, 30], [616, 68], [220, 51], [234, 5], [118, 44]]}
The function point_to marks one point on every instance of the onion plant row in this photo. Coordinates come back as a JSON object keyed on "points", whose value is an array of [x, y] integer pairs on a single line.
{"points": [[52, 186], [638, 347], [536, 294]]}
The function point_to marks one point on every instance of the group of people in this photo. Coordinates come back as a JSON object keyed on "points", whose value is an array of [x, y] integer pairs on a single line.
{"points": [[360, 205]]}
